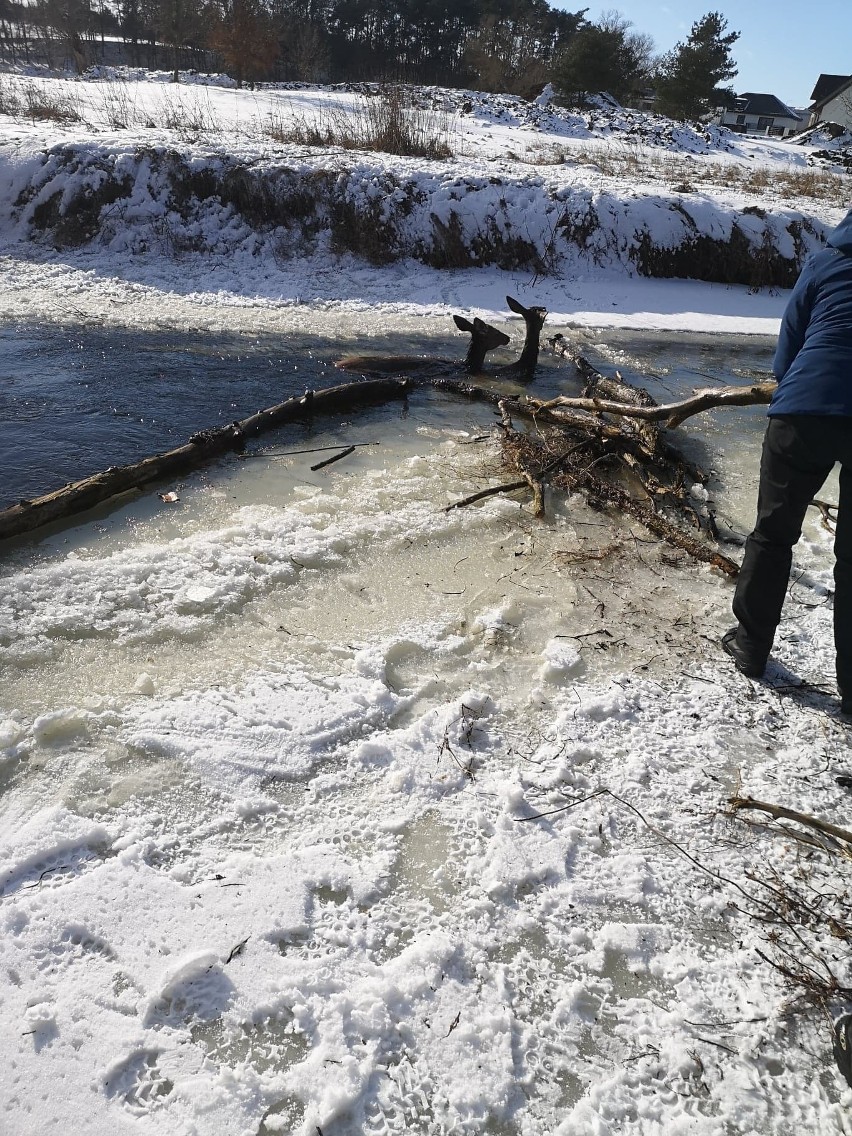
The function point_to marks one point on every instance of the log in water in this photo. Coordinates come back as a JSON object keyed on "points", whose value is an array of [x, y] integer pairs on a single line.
{"points": [[201, 448]]}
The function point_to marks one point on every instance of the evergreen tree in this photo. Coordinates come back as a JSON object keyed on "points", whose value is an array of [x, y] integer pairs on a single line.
{"points": [[690, 74], [604, 56], [132, 24]]}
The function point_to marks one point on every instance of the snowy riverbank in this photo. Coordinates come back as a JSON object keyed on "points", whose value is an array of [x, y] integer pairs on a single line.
{"points": [[268, 861], [130, 168]]}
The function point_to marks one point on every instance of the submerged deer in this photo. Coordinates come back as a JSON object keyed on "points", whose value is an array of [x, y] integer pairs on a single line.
{"points": [[483, 338], [523, 369]]}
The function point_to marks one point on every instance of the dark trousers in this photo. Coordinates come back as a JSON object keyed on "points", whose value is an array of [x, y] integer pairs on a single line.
{"points": [[799, 452]]}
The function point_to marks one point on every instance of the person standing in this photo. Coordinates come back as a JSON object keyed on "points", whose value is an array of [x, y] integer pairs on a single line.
{"points": [[809, 430]]}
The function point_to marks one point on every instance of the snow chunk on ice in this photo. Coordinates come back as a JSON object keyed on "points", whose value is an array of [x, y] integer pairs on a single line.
{"points": [[560, 660]]}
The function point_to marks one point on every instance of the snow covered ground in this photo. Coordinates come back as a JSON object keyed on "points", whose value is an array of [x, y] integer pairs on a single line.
{"points": [[138, 168], [326, 810]]}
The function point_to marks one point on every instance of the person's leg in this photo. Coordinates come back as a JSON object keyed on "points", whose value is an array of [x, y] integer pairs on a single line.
{"points": [[843, 587], [790, 475]]}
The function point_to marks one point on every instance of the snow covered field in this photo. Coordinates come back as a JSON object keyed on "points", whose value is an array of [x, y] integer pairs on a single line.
{"points": [[326, 810]]}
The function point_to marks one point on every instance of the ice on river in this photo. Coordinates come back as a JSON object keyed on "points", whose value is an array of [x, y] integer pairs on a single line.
{"points": [[286, 838]]}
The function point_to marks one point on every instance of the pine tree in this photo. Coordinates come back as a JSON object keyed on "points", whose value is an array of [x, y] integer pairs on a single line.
{"points": [[604, 56], [690, 74]]}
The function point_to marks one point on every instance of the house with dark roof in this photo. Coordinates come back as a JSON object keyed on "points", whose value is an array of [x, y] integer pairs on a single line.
{"points": [[832, 100], [754, 113]]}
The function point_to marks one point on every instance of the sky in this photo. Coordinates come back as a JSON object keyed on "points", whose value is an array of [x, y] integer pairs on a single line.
{"points": [[781, 50]]}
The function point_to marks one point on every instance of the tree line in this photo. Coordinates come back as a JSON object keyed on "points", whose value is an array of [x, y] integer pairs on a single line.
{"points": [[512, 46]]}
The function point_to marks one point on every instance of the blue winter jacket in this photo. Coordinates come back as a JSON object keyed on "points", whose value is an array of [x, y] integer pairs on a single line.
{"points": [[813, 359]]}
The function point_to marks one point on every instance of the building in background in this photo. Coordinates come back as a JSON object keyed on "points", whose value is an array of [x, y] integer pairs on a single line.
{"points": [[754, 113], [832, 101]]}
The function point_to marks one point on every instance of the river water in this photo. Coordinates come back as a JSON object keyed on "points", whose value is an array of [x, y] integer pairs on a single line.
{"points": [[318, 689], [75, 400]]}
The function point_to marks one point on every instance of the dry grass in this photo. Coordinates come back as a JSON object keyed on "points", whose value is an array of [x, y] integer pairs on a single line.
{"points": [[189, 114], [23, 98], [185, 110], [118, 107], [818, 185], [388, 122], [685, 174]]}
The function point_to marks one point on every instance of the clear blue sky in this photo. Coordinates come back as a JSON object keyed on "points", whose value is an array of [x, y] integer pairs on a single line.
{"points": [[783, 46]]}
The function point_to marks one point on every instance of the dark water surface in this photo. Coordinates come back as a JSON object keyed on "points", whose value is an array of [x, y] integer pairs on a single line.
{"points": [[74, 401]]}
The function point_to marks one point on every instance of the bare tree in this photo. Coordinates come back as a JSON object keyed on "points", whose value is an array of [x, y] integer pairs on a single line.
{"points": [[243, 34], [305, 53], [63, 22], [179, 25]]}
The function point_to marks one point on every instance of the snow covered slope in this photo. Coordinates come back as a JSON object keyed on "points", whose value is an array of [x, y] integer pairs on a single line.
{"points": [[528, 187]]}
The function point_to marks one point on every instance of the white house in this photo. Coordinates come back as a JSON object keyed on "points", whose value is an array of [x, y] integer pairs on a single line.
{"points": [[832, 100], [754, 113]]}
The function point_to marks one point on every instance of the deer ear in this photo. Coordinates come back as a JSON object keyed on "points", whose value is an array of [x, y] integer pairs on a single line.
{"points": [[462, 324], [515, 307]]}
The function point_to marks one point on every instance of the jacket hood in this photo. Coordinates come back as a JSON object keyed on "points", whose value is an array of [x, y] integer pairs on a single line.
{"points": [[841, 238]]}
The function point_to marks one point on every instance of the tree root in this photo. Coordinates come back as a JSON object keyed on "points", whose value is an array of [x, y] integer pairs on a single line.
{"points": [[828, 512]]}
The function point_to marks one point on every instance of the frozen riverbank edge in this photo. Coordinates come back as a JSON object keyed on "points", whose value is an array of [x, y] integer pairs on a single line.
{"points": [[132, 198]]}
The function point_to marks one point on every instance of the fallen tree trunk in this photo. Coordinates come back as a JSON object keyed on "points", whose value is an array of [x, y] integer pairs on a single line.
{"points": [[615, 389], [201, 448], [658, 468]]}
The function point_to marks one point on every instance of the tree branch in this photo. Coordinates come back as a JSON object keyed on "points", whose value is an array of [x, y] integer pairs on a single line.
{"points": [[781, 812], [672, 412]]}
